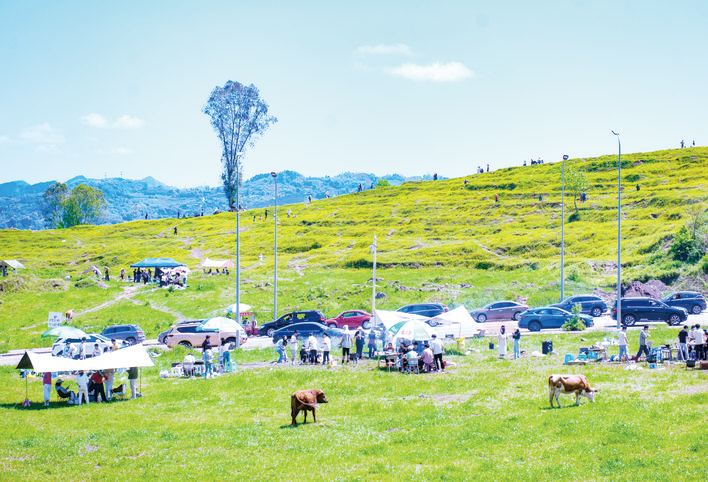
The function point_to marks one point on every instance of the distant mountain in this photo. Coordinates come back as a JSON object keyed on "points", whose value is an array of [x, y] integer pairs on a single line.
{"points": [[127, 199]]}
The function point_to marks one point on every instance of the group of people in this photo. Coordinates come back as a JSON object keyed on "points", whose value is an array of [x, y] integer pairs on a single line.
{"points": [[418, 356], [208, 358], [83, 351], [691, 343], [533, 163], [310, 351]]}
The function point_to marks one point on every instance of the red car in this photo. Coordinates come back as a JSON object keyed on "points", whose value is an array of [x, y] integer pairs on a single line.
{"points": [[352, 318]]}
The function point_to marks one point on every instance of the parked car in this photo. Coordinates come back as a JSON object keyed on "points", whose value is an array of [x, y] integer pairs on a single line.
{"points": [[589, 304], [499, 310], [91, 340], [288, 319], [693, 301], [424, 309], [649, 309], [306, 329], [130, 333], [188, 336], [162, 337], [537, 319], [352, 318]]}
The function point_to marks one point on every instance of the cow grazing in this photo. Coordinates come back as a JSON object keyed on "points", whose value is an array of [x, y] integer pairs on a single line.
{"points": [[69, 315], [306, 400], [577, 384]]}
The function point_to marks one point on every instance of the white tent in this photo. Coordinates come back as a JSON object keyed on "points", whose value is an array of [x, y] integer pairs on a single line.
{"points": [[12, 263], [216, 263], [390, 318], [133, 356], [457, 323]]}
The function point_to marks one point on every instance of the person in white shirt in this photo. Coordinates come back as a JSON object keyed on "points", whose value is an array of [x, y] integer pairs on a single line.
{"points": [[294, 345], [622, 343], [501, 342], [97, 350], [312, 347], [699, 343], [326, 348], [188, 364], [438, 350], [82, 383]]}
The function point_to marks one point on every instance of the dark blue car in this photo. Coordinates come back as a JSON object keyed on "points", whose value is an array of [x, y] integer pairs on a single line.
{"points": [[537, 319], [306, 329], [589, 304]]}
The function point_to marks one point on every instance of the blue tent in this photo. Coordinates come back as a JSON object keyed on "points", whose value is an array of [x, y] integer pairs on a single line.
{"points": [[157, 263]]}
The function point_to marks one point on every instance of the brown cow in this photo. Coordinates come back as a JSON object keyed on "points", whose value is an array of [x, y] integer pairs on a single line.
{"points": [[306, 400], [577, 384], [69, 315]]}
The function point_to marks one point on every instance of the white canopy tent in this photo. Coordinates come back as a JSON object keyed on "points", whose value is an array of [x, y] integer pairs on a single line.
{"points": [[458, 323], [133, 356], [216, 263]]}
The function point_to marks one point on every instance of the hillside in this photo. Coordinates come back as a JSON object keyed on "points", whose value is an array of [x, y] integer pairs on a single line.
{"points": [[443, 240], [128, 200]]}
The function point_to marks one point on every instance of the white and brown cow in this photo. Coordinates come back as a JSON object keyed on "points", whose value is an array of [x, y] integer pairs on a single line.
{"points": [[577, 384]]}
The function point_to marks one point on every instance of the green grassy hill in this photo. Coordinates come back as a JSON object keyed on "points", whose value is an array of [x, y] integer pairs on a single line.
{"points": [[444, 240]]}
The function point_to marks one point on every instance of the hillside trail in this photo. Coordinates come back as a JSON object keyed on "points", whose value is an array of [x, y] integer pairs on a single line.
{"points": [[128, 293]]}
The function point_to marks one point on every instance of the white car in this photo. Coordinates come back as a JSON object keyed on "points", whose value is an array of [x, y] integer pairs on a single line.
{"points": [[75, 344]]}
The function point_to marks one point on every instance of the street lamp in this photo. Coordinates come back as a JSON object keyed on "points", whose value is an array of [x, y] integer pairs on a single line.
{"points": [[565, 158], [373, 285], [238, 238], [619, 230], [275, 255]]}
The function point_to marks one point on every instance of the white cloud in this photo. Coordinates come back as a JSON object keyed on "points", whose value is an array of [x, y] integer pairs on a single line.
{"points": [[4, 139], [43, 134], [436, 72], [122, 150], [385, 49], [127, 122], [95, 120], [123, 122]]}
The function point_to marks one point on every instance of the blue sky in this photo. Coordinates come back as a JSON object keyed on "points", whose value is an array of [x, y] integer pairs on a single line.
{"points": [[411, 87]]}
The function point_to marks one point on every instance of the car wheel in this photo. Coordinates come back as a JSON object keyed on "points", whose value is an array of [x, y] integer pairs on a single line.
{"points": [[231, 339], [270, 332], [597, 311], [534, 326], [516, 316], [366, 325], [481, 317], [629, 320], [131, 340], [696, 310], [332, 325], [185, 344], [674, 320]]}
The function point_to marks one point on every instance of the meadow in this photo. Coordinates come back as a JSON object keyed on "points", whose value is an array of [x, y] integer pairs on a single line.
{"points": [[483, 417]]}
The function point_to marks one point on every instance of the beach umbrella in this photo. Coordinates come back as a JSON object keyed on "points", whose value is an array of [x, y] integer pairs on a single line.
{"points": [[413, 330], [65, 331], [242, 308]]}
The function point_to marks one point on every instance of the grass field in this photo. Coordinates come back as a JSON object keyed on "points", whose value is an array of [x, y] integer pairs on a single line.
{"points": [[482, 418]]}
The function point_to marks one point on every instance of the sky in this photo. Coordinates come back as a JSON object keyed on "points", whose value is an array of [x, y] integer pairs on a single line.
{"points": [[116, 89]]}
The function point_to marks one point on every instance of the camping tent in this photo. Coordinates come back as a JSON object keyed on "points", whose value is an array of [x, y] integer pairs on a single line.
{"points": [[458, 323], [215, 263], [157, 263], [133, 356], [390, 318], [11, 263]]}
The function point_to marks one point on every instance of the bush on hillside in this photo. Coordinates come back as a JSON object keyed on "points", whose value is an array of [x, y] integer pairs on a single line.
{"points": [[687, 246]]}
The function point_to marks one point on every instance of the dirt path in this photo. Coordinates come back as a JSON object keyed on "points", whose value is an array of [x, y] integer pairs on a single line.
{"points": [[128, 293]]}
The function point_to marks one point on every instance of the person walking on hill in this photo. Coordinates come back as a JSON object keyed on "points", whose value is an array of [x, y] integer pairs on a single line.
{"points": [[643, 336]]}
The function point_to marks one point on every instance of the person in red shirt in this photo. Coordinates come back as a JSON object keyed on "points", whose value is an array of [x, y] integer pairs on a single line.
{"points": [[97, 379]]}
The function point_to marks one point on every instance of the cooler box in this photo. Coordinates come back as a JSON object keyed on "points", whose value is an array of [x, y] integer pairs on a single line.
{"points": [[547, 347]]}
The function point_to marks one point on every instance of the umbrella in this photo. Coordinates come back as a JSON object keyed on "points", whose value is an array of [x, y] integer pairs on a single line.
{"points": [[242, 308], [220, 323], [413, 330], [65, 331]]}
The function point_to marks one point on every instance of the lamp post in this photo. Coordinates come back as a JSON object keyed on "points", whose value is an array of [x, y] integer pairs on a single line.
{"points": [[565, 158], [238, 238], [275, 249], [619, 231], [373, 284]]}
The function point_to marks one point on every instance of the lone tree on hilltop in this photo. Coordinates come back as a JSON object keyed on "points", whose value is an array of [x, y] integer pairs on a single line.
{"points": [[577, 183], [64, 208], [239, 116]]}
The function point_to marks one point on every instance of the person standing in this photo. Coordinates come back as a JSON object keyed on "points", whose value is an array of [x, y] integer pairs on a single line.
{"points": [[501, 342], [372, 343], [206, 348], [109, 373], [293, 347], [622, 342], [312, 348], [108, 278], [47, 387], [346, 343], [326, 348], [82, 384], [517, 339], [97, 350], [683, 344], [280, 349], [97, 378], [428, 359], [82, 349], [132, 379], [699, 342], [438, 349], [122, 274], [359, 341], [208, 357], [643, 336]]}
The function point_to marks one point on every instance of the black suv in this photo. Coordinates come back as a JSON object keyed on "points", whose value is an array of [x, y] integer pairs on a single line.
{"points": [[288, 319], [649, 309], [589, 304], [424, 309], [130, 333], [693, 301]]}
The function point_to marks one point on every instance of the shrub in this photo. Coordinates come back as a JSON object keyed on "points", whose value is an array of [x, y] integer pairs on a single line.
{"points": [[575, 323], [687, 247]]}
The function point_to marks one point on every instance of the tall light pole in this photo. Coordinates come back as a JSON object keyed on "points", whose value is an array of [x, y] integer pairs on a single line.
{"points": [[238, 238], [373, 285], [565, 158], [275, 249], [619, 231]]}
